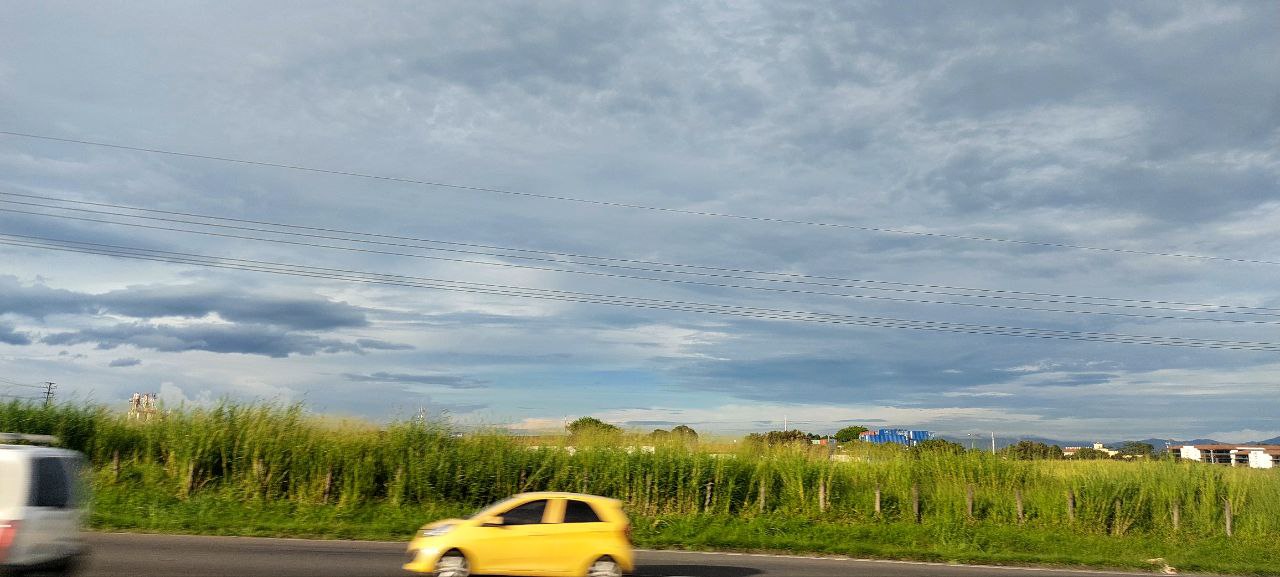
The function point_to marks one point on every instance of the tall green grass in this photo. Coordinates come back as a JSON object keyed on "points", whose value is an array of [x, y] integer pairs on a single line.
{"points": [[273, 454]]}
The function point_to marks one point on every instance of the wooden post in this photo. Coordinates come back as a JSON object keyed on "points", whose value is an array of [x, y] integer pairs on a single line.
{"points": [[968, 501], [762, 494], [822, 495], [115, 466], [877, 500], [1177, 514], [1071, 505], [1115, 520], [706, 502], [328, 485], [915, 502], [1226, 504], [191, 479], [1017, 497]]}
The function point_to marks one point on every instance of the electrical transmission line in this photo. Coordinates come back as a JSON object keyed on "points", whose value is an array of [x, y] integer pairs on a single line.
{"points": [[988, 294], [612, 204], [790, 277], [625, 301], [7, 385]]}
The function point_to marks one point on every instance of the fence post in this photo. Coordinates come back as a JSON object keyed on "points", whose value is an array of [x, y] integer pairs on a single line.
{"points": [[706, 502], [115, 466], [762, 494], [1071, 504], [1227, 514], [877, 499], [1017, 497], [1177, 514], [822, 495], [968, 501], [915, 502]]}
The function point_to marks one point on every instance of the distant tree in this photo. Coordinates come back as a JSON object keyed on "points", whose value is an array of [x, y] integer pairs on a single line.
{"points": [[937, 446], [1091, 454], [588, 427], [786, 437], [660, 434], [684, 433], [1136, 450], [849, 434], [1031, 451], [778, 438]]}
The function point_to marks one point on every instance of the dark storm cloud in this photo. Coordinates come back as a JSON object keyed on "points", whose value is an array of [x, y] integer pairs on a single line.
{"points": [[10, 336], [450, 381], [245, 339], [192, 301], [381, 345], [125, 362]]}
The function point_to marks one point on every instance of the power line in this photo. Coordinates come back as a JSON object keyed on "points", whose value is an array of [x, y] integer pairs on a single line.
{"points": [[796, 278], [670, 280], [635, 302], [17, 384], [613, 204]]}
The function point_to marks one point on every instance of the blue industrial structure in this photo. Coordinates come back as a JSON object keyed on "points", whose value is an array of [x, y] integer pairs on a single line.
{"points": [[900, 436]]}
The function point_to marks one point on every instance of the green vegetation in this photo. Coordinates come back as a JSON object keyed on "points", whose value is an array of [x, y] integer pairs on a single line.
{"points": [[589, 428], [850, 434], [1032, 450], [272, 470]]}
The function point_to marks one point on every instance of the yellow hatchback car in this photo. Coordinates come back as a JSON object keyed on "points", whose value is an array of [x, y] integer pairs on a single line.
{"points": [[529, 534]]}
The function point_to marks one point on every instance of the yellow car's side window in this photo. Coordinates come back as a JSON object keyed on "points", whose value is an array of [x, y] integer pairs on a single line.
{"points": [[526, 514], [579, 512]]}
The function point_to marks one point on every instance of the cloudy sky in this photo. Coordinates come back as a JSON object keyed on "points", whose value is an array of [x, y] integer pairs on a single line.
{"points": [[1120, 161]]}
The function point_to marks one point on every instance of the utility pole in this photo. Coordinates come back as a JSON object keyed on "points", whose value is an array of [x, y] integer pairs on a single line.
{"points": [[993, 442], [48, 392]]}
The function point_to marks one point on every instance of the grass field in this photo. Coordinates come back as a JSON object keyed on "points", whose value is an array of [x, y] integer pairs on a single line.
{"points": [[273, 470]]}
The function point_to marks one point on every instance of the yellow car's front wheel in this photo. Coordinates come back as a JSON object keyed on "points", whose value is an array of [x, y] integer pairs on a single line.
{"points": [[452, 564], [604, 567]]}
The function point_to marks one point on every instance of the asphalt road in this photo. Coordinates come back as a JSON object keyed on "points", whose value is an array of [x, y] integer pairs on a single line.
{"points": [[115, 555]]}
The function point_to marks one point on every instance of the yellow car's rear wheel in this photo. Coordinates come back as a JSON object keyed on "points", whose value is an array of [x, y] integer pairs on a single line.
{"points": [[604, 567], [452, 564]]}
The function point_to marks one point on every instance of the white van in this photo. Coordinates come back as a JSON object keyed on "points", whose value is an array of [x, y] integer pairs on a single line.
{"points": [[41, 505]]}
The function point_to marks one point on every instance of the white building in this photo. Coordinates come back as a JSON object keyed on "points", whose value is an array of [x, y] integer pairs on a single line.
{"points": [[1071, 451], [1258, 457], [1263, 458]]}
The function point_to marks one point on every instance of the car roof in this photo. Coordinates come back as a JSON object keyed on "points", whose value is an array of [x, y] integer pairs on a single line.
{"points": [[564, 495], [37, 450]]}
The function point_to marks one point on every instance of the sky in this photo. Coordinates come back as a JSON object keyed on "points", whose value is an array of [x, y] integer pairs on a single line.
{"points": [[888, 214]]}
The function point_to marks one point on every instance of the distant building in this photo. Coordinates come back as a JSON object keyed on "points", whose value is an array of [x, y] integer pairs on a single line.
{"points": [[1071, 451], [1264, 458], [1256, 456], [906, 437]]}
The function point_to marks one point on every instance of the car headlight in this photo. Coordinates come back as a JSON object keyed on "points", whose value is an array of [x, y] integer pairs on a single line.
{"points": [[436, 531]]}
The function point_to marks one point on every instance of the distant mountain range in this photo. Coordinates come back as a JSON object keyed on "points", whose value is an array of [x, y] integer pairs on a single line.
{"points": [[1159, 444]]}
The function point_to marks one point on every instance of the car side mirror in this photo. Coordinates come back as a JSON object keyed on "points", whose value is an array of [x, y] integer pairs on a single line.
{"points": [[494, 521]]}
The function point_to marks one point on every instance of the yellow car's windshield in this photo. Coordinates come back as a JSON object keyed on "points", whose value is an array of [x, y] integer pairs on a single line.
{"points": [[493, 509]]}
